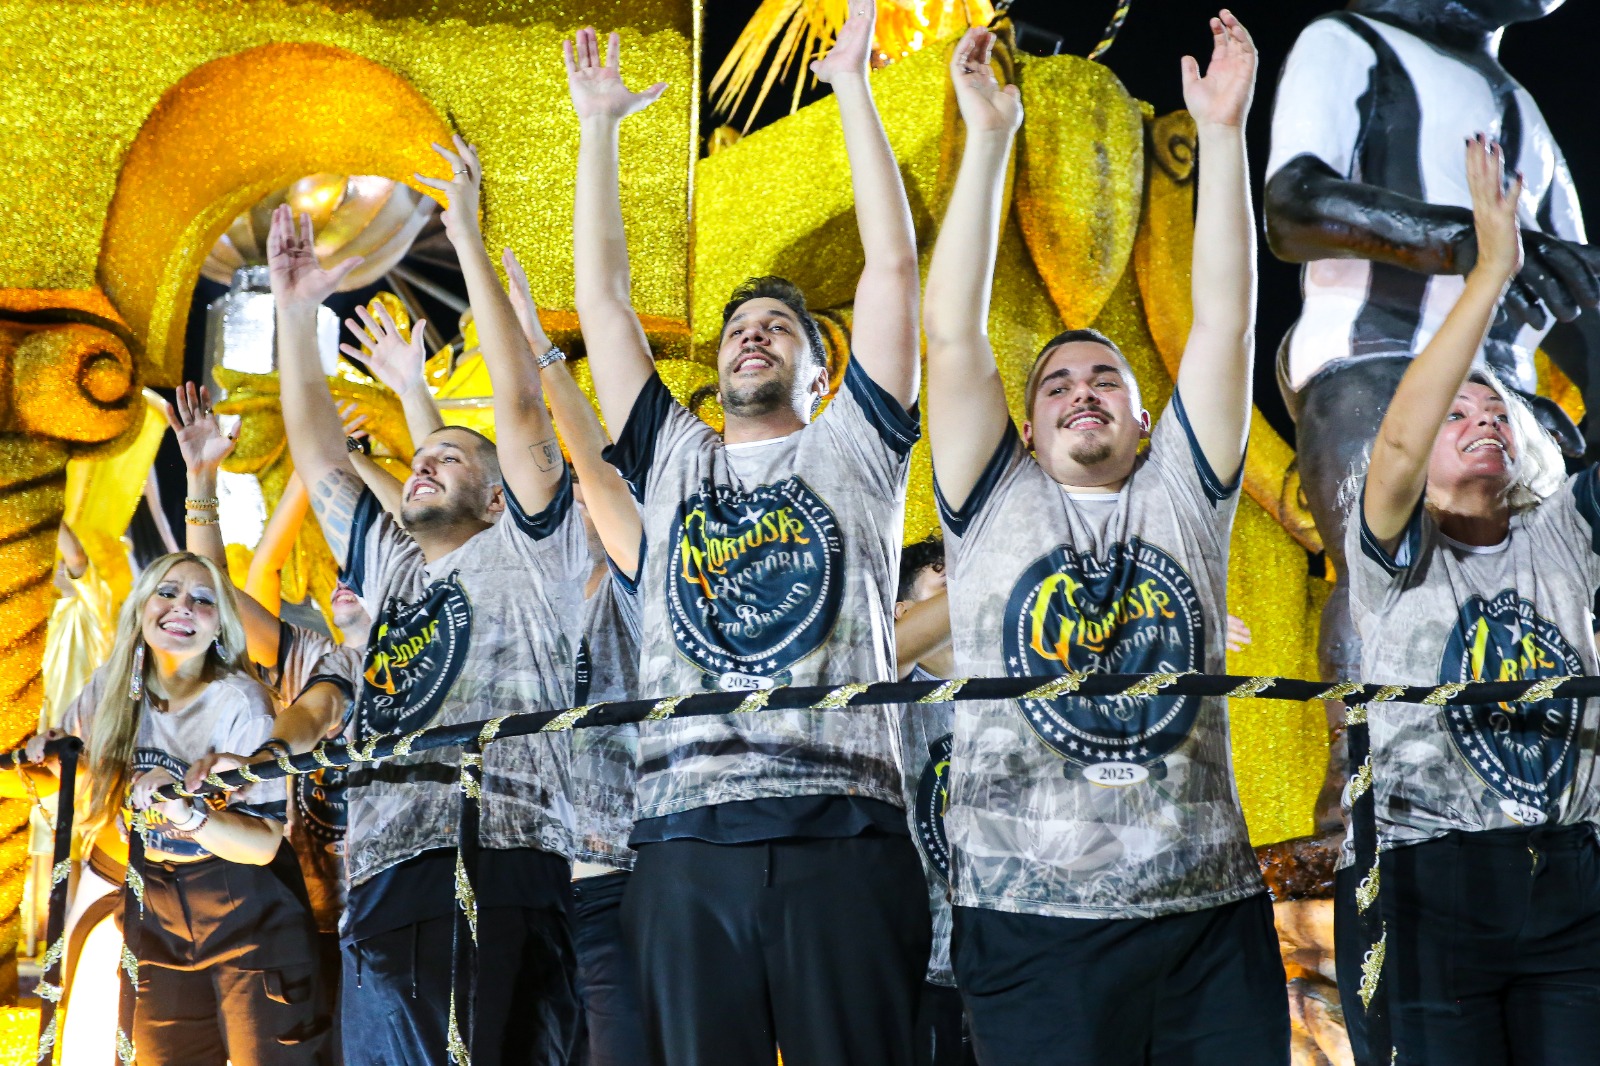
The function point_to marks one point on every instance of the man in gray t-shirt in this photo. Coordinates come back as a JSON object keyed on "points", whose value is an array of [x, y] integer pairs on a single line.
{"points": [[473, 602], [776, 898], [1108, 906]]}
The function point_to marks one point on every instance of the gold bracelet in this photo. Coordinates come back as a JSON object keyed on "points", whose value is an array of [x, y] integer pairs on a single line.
{"points": [[199, 520], [202, 502]]}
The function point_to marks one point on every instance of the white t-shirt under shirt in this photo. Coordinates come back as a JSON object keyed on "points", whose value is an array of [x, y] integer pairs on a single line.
{"points": [[482, 632], [769, 563], [1094, 808], [1383, 107], [232, 714], [1437, 611]]}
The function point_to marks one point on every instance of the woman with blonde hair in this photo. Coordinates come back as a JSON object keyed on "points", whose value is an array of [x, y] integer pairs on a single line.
{"points": [[227, 956], [1470, 561]]}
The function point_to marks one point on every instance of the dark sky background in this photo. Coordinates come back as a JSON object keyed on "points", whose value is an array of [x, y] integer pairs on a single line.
{"points": [[1554, 58]]}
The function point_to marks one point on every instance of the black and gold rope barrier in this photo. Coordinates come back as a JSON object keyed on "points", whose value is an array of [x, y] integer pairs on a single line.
{"points": [[1362, 701]]}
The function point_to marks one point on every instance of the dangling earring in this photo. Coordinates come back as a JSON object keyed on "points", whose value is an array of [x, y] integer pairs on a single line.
{"points": [[222, 653], [136, 682]]}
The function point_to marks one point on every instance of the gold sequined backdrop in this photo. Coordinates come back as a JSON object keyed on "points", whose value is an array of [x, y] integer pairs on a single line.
{"points": [[136, 131]]}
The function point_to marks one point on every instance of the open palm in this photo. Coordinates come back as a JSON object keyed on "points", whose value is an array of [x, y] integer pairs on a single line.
{"points": [[596, 84], [852, 49], [1222, 97], [297, 274], [201, 439], [984, 104], [393, 360]]}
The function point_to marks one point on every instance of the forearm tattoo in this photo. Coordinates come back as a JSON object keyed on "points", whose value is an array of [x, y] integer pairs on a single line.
{"points": [[333, 499], [546, 454]]}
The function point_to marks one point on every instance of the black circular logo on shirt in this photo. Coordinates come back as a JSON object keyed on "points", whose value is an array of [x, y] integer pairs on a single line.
{"points": [[413, 658], [1133, 612], [155, 839], [319, 802], [1521, 751], [933, 798], [755, 579]]}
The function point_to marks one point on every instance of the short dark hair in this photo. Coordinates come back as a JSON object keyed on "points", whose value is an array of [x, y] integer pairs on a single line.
{"points": [[1072, 336], [914, 559], [488, 453], [786, 292]]}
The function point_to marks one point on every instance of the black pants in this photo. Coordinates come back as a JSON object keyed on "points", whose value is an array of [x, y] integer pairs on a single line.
{"points": [[1494, 948], [815, 946], [942, 1038], [1348, 953], [611, 1029], [228, 968], [1204, 988], [396, 995]]}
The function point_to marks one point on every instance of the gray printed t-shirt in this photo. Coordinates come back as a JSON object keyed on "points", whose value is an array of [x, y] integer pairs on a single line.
{"points": [[1439, 611], [1094, 808], [927, 737], [317, 801], [233, 714], [770, 562], [603, 756], [477, 634]]}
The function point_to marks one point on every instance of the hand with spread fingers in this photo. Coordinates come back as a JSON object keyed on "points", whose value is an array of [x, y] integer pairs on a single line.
{"points": [[202, 441], [1222, 96], [298, 277], [461, 189], [393, 360], [851, 54], [596, 83], [985, 105]]}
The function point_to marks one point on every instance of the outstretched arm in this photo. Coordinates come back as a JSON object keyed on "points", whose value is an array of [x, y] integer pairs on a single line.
{"points": [[884, 329], [1398, 474], [605, 494], [530, 457], [310, 419], [620, 356], [1215, 375], [264, 582], [204, 446], [399, 364], [70, 548], [967, 414]]}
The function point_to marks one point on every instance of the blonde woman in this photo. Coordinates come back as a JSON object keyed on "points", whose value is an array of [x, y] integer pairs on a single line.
{"points": [[228, 963]]}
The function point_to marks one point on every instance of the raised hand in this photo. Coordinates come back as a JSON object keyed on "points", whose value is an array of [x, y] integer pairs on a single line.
{"points": [[1494, 210], [1222, 96], [461, 189], [851, 53], [522, 303], [985, 105], [202, 441], [596, 85], [393, 360], [297, 274], [354, 421]]}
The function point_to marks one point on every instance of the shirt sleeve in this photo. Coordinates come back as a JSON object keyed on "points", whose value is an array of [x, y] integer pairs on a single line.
{"points": [[550, 541], [871, 430], [1572, 514], [1319, 108], [302, 654], [1375, 571], [80, 712], [382, 558], [1176, 455], [242, 727], [1009, 459], [657, 427]]}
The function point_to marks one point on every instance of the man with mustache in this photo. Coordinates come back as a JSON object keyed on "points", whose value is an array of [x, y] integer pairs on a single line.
{"points": [[474, 592], [777, 899], [1108, 908]]}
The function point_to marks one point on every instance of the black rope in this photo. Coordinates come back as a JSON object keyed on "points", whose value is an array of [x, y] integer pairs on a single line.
{"points": [[51, 989], [464, 938]]}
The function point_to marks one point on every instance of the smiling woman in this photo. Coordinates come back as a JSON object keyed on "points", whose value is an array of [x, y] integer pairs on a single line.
{"points": [[175, 689]]}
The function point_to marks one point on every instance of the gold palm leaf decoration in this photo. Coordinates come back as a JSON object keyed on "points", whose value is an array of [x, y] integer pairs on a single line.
{"points": [[797, 31]]}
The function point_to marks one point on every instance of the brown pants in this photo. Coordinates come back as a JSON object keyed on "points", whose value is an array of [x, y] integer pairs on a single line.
{"points": [[229, 968]]}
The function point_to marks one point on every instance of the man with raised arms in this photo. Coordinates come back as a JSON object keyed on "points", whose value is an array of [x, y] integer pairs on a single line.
{"points": [[777, 899], [473, 600], [1108, 907]]}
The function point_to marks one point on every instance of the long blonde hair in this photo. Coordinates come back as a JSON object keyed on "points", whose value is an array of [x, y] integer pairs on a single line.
{"points": [[115, 728]]}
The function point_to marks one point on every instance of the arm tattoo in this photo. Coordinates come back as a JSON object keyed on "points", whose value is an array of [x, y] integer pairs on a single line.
{"points": [[546, 454], [334, 499]]}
